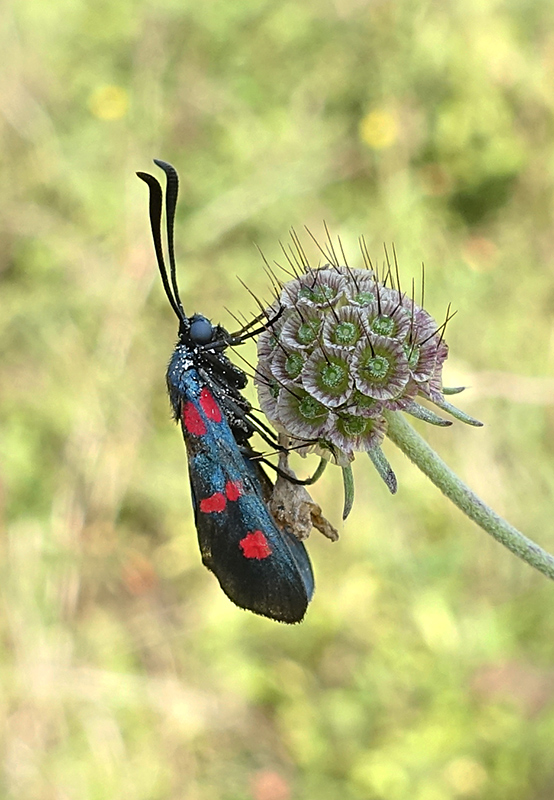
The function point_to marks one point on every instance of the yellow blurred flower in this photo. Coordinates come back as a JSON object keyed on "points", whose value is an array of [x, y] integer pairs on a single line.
{"points": [[466, 776], [378, 129], [109, 102]]}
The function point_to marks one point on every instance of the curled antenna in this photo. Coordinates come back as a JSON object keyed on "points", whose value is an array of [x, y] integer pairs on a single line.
{"points": [[155, 210], [171, 193]]}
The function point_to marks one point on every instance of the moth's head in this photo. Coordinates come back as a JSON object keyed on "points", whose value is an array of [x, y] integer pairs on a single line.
{"points": [[201, 331]]}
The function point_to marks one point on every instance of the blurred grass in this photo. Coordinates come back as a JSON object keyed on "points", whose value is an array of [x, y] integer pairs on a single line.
{"points": [[424, 669]]}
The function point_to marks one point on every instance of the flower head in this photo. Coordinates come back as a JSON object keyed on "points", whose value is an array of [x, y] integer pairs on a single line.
{"points": [[343, 346]]}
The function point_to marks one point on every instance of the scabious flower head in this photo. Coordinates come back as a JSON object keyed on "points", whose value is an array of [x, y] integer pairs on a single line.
{"points": [[342, 346]]}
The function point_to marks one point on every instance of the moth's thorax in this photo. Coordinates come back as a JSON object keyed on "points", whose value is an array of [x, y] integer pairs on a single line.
{"points": [[184, 359], [193, 366], [182, 377]]}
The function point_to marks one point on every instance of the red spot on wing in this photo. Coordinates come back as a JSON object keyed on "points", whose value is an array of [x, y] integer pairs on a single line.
{"points": [[216, 502], [255, 545], [209, 405], [233, 490], [192, 420]]}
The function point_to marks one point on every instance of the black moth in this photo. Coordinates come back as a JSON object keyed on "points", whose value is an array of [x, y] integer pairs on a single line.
{"points": [[259, 566]]}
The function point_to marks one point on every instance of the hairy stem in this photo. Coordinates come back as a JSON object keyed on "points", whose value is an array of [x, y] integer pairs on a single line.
{"points": [[411, 443]]}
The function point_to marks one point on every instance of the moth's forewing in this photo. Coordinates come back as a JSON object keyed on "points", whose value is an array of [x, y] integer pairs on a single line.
{"points": [[258, 566]]}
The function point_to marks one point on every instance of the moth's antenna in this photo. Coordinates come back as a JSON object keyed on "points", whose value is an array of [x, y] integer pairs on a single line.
{"points": [[171, 193], [155, 210]]}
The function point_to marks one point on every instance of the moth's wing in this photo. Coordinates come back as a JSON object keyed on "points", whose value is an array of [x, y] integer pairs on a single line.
{"points": [[259, 567], [299, 552]]}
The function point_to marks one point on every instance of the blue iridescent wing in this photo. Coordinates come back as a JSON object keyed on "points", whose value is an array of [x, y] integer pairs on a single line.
{"points": [[258, 566]]}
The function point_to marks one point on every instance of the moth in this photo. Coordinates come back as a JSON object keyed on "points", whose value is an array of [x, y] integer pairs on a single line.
{"points": [[260, 566]]}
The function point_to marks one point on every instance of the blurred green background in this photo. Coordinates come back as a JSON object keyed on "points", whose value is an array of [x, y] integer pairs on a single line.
{"points": [[424, 669]]}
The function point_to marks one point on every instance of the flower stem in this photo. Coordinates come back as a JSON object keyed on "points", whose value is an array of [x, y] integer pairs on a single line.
{"points": [[416, 448]]}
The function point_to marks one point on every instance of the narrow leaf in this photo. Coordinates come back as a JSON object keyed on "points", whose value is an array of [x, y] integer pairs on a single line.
{"points": [[348, 480], [420, 412], [457, 414], [381, 464]]}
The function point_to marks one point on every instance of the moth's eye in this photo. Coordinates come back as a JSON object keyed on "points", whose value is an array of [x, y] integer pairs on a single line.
{"points": [[201, 329]]}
